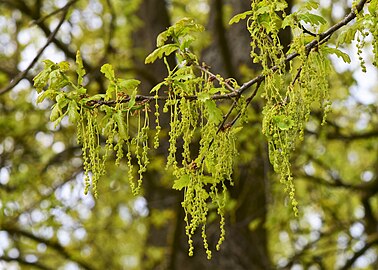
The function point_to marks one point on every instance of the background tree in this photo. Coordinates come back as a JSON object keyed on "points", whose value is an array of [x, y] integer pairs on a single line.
{"points": [[48, 223]]}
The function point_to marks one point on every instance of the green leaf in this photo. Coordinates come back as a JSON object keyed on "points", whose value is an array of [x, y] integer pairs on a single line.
{"points": [[184, 181], [283, 122], [159, 52], [280, 6], [122, 128], [215, 90], [56, 112], [186, 41], [215, 114], [131, 102], [158, 86], [236, 130], [263, 10], [110, 90], [209, 180], [239, 17], [57, 80], [203, 96], [128, 85], [183, 77], [81, 91], [64, 66], [348, 35], [338, 53], [288, 21], [185, 26], [108, 71], [72, 110], [48, 93], [80, 68], [310, 18], [48, 63], [41, 79], [311, 5], [96, 97], [163, 37]]}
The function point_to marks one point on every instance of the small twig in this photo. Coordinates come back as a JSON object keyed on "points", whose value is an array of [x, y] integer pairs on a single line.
{"points": [[215, 77], [307, 31], [248, 101]]}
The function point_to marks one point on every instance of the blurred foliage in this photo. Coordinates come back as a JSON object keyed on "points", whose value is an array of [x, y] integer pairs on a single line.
{"points": [[46, 221]]}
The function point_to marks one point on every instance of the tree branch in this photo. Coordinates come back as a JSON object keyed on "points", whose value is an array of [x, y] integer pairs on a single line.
{"points": [[370, 243], [25, 262], [22, 75], [50, 243], [321, 38]]}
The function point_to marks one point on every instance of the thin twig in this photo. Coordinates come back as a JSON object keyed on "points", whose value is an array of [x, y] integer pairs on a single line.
{"points": [[40, 20], [212, 75]]}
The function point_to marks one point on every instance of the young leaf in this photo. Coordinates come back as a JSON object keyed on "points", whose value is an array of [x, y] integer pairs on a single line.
{"points": [[289, 20], [280, 6], [203, 96], [131, 102], [122, 129], [209, 180], [283, 122], [56, 112], [310, 18], [215, 114], [159, 52], [338, 53], [40, 80], [108, 71], [311, 5], [163, 37], [348, 35], [158, 86], [239, 17], [80, 68], [57, 80], [110, 90], [128, 85], [184, 181], [64, 66], [72, 110], [48, 93]]}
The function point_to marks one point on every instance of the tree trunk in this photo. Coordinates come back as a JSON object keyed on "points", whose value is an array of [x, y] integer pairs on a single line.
{"points": [[245, 246]]}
